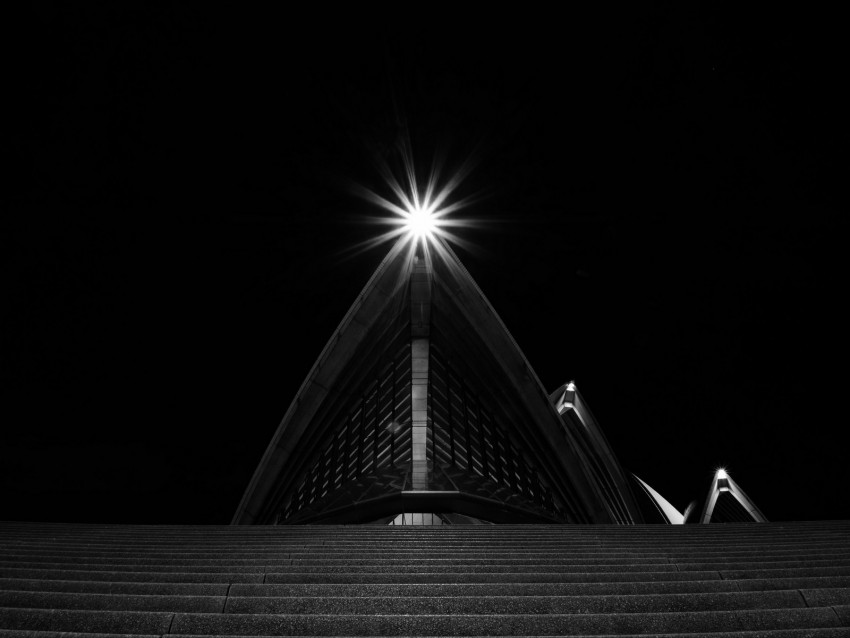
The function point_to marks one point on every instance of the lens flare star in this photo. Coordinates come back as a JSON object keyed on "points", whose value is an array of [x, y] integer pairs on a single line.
{"points": [[421, 222], [419, 216]]}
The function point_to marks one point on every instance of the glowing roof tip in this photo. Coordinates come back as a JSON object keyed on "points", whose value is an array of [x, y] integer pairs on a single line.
{"points": [[421, 221], [420, 212], [721, 473]]}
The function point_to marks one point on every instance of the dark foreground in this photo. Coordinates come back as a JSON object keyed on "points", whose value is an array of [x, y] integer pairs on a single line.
{"points": [[774, 579]]}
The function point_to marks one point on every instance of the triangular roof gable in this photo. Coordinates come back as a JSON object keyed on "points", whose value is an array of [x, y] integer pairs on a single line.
{"points": [[722, 484], [376, 304], [459, 308]]}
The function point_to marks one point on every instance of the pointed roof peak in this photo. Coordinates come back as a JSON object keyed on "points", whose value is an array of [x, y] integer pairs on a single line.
{"points": [[727, 502], [423, 350]]}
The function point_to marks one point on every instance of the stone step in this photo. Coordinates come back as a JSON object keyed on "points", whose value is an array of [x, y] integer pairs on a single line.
{"points": [[801, 582], [131, 576], [64, 620], [759, 577], [528, 589], [623, 603], [503, 625], [767, 564], [153, 589], [488, 589], [826, 596], [733, 580], [589, 604], [14, 568], [449, 567], [113, 602], [158, 567], [792, 572], [421, 559], [778, 553], [129, 622], [423, 589], [452, 577]]}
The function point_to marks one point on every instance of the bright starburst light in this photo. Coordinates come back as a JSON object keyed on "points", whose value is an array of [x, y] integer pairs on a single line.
{"points": [[421, 222], [420, 216]]}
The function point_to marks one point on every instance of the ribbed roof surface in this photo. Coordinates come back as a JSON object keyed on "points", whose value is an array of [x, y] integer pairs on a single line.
{"points": [[772, 579]]}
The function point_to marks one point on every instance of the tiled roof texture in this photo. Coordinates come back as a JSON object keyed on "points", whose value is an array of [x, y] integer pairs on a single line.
{"points": [[749, 580]]}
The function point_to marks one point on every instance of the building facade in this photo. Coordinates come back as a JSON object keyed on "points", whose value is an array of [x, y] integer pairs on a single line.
{"points": [[422, 409]]}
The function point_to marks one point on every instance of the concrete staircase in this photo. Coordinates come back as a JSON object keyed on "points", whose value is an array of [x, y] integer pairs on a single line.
{"points": [[753, 580]]}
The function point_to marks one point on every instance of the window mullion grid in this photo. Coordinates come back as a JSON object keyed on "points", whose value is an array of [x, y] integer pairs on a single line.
{"points": [[361, 442], [465, 413]]}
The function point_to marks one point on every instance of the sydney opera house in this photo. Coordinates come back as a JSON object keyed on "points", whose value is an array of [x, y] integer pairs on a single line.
{"points": [[424, 482], [423, 408]]}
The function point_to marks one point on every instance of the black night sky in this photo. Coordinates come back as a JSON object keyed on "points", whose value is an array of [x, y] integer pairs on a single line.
{"points": [[658, 219]]}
